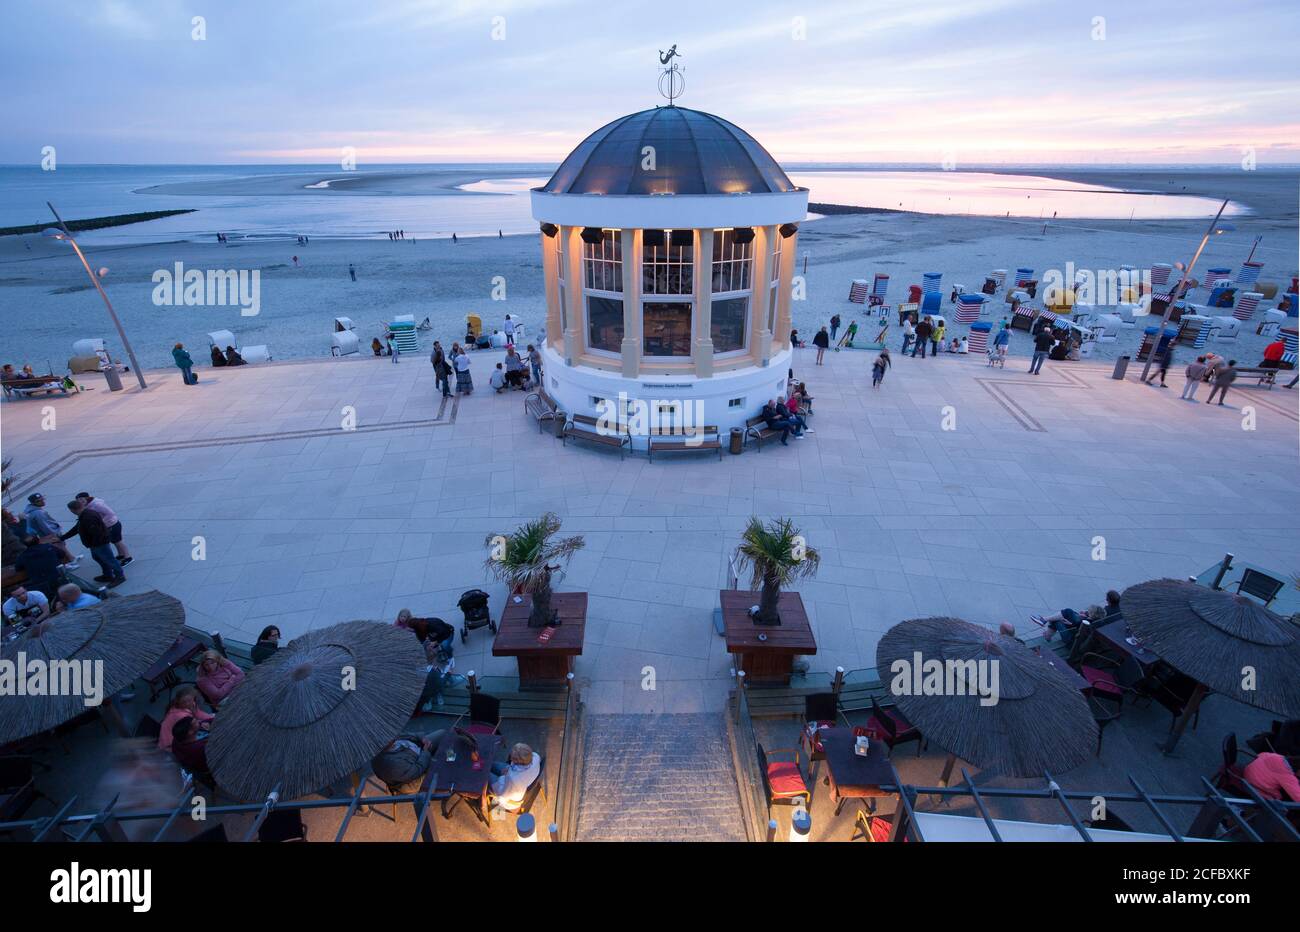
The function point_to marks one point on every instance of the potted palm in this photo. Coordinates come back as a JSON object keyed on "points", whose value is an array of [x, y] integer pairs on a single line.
{"points": [[777, 555], [526, 558]]}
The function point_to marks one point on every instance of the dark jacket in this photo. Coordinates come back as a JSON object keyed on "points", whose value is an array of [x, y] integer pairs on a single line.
{"points": [[183, 360], [1043, 342], [773, 416], [398, 767], [263, 651], [192, 755], [40, 563], [822, 339], [90, 527], [923, 330]]}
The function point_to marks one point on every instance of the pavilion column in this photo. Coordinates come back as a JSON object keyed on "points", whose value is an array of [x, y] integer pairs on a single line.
{"points": [[575, 330], [630, 243], [550, 275], [760, 302], [702, 322], [782, 336]]}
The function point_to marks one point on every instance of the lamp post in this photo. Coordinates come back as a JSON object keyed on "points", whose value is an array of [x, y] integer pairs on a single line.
{"points": [[67, 235], [1214, 230]]}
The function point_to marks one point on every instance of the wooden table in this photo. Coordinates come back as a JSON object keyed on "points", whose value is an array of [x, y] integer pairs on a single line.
{"points": [[458, 777], [1072, 675], [766, 652], [548, 663], [1115, 633], [852, 776], [162, 674]]}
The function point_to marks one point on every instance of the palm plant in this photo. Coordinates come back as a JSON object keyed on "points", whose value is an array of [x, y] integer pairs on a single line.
{"points": [[777, 556], [523, 561]]}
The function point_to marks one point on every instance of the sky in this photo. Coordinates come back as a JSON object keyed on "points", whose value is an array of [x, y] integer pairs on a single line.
{"points": [[924, 81]]}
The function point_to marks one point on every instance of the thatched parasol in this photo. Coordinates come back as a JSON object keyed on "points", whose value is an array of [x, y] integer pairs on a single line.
{"points": [[319, 709], [120, 637], [1213, 636], [1040, 720]]}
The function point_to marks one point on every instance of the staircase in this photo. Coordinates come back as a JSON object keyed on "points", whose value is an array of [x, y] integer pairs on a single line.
{"points": [[658, 778]]}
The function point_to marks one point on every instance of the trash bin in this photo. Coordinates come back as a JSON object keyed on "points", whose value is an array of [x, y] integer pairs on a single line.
{"points": [[1121, 367], [737, 440], [114, 380]]}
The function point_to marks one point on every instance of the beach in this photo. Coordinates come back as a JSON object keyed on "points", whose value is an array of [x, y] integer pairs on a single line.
{"points": [[50, 303]]}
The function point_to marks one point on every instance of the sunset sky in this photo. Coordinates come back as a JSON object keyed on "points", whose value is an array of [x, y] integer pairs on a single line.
{"points": [[1014, 81]]}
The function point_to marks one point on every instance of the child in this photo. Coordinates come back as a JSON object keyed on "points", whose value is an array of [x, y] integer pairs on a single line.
{"points": [[878, 368], [498, 379]]}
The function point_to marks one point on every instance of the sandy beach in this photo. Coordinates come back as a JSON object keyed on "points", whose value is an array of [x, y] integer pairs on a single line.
{"points": [[51, 304]]}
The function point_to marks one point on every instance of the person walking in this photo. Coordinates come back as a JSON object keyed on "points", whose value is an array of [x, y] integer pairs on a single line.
{"points": [[1043, 344], [835, 325], [441, 371], [95, 537], [1222, 379], [111, 521], [510, 330], [909, 333], [1195, 374], [878, 368], [184, 363], [1001, 345], [822, 340], [535, 362], [1165, 360], [352, 270], [923, 331]]}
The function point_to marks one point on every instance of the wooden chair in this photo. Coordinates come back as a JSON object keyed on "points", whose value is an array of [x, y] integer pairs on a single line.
{"points": [[783, 782], [892, 727]]}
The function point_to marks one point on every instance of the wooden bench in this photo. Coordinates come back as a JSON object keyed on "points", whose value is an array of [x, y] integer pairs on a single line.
{"points": [[541, 406], [756, 429], [1265, 376], [585, 427], [27, 387], [674, 440]]}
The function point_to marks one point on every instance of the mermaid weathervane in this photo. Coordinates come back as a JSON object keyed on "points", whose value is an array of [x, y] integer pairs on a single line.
{"points": [[671, 82]]}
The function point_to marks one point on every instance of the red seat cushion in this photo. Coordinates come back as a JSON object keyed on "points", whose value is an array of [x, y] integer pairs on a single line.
{"points": [[880, 829], [874, 729], [1101, 680], [785, 779], [481, 728]]}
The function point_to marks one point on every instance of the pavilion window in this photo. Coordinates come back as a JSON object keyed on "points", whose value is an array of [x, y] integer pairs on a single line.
{"points": [[732, 262], [667, 263], [602, 263], [666, 328], [604, 323]]}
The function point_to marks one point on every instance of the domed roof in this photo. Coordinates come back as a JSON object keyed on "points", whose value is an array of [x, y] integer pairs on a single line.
{"points": [[694, 153]]}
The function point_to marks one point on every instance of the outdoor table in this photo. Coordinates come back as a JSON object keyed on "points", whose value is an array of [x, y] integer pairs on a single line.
{"points": [[1060, 666], [1115, 635], [766, 652], [458, 778], [852, 776], [542, 663], [162, 674]]}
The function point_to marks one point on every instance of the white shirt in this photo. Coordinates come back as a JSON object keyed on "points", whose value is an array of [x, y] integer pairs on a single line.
{"points": [[510, 787], [497, 379], [462, 362], [35, 601]]}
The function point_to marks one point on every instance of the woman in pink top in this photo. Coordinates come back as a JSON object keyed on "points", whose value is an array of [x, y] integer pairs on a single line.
{"points": [[1273, 777], [218, 676], [184, 704]]}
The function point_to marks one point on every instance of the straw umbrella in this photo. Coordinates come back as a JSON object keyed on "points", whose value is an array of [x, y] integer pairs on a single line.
{"points": [[88, 654], [1039, 720], [319, 709], [1226, 642]]}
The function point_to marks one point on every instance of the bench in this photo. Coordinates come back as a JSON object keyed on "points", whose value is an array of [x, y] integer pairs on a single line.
{"points": [[684, 440], [1265, 376], [592, 430], [541, 406], [756, 428], [27, 387]]}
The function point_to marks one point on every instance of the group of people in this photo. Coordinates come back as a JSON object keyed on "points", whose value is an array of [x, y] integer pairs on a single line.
{"points": [[35, 543], [917, 334], [185, 362], [185, 726], [514, 373], [782, 414]]}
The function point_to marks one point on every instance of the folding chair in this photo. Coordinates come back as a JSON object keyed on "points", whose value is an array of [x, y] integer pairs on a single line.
{"points": [[1260, 585]]}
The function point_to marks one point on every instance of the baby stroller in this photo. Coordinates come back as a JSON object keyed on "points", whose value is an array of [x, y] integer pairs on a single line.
{"points": [[474, 605]]}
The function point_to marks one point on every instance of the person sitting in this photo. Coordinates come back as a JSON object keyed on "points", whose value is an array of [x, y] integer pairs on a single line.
{"points": [[792, 408], [401, 765], [42, 565], [1007, 629], [218, 676], [511, 780], [1273, 355], [28, 605], [72, 598], [955, 345], [774, 417], [190, 746], [233, 358], [217, 359], [184, 704], [376, 347], [516, 373], [268, 642], [1273, 777], [1067, 622], [1060, 352], [497, 380]]}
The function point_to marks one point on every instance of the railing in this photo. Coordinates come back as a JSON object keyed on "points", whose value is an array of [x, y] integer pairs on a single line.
{"points": [[568, 778], [744, 758]]}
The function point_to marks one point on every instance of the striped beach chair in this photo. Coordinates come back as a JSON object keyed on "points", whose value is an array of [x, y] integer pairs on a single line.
{"points": [[879, 289], [858, 291], [1248, 274], [1291, 339], [1246, 305], [978, 341], [931, 283], [1160, 272], [968, 308]]}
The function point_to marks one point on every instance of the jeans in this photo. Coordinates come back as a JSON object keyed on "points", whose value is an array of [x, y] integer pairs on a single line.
{"points": [[907, 341], [1036, 364], [1223, 394], [537, 375], [834, 330], [920, 345], [103, 555], [934, 347], [799, 422], [1069, 628], [1189, 390], [187, 373], [444, 383], [783, 425]]}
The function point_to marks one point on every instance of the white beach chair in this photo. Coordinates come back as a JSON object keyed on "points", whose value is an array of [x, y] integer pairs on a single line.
{"points": [[1225, 329]]}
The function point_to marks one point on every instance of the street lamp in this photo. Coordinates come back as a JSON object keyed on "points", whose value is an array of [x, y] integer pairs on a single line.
{"points": [[66, 235], [1215, 229]]}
